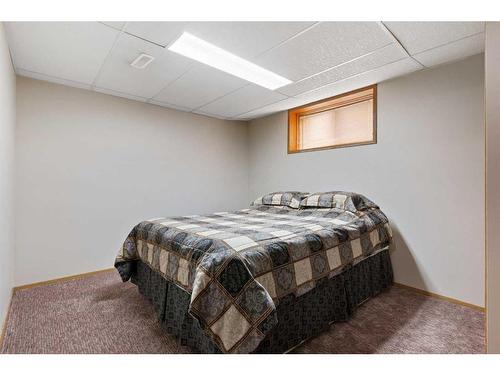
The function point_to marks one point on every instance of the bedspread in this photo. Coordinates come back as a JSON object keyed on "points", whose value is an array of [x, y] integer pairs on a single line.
{"points": [[237, 265]]}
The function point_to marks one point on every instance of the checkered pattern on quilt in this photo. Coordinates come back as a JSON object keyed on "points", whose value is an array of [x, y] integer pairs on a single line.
{"points": [[342, 200], [281, 198], [237, 264]]}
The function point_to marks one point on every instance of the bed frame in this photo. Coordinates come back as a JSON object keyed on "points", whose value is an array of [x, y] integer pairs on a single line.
{"points": [[299, 318]]}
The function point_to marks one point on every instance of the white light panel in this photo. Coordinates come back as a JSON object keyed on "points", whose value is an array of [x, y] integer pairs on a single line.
{"points": [[197, 49]]}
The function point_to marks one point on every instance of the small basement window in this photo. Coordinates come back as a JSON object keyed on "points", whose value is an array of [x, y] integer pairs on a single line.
{"points": [[348, 119]]}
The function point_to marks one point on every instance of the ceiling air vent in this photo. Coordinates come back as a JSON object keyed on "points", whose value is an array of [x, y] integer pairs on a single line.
{"points": [[142, 61]]}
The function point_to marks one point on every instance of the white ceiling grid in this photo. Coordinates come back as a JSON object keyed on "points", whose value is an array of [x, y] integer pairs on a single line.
{"points": [[321, 58]]}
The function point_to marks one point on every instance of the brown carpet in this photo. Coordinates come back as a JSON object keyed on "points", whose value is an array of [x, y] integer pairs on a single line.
{"points": [[100, 314]]}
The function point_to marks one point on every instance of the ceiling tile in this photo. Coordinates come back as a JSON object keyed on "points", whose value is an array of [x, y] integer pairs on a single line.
{"points": [[169, 105], [199, 86], [420, 36], [371, 61], [245, 39], [452, 51], [326, 45], [243, 100], [383, 73], [161, 33], [282, 105], [115, 25], [60, 81], [199, 112], [119, 94], [118, 75], [69, 50]]}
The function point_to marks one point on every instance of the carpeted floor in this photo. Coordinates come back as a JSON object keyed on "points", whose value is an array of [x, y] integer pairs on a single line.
{"points": [[100, 314]]}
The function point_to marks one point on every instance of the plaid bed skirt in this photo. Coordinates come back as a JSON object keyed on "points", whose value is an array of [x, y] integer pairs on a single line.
{"points": [[299, 318]]}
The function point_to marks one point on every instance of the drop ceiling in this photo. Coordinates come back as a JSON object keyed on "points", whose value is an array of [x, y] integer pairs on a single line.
{"points": [[321, 58]]}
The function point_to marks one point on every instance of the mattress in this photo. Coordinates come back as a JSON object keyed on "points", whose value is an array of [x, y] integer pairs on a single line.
{"points": [[238, 266]]}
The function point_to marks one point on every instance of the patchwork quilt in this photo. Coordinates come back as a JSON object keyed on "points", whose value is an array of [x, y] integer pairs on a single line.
{"points": [[238, 265]]}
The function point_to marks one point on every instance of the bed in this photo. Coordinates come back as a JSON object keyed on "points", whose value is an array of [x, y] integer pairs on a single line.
{"points": [[262, 279]]}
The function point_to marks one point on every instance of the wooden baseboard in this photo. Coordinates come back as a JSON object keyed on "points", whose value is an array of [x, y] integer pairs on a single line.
{"points": [[438, 296], [65, 278]]}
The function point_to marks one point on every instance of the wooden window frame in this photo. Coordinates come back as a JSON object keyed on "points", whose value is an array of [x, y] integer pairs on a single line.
{"points": [[322, 106]]}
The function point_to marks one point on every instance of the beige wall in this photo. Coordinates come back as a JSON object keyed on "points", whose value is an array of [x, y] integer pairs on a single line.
{"points": [[492, 82], [7, 123], [426, 172], [91, 166]]}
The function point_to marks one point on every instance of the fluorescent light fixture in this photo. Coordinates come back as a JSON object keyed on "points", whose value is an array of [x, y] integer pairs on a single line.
{"points": [[197, 49]]}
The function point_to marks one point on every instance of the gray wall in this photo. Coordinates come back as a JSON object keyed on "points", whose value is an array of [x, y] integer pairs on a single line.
{"points": [[90, 166], [7, 123], [492, 79], [426, 172]]}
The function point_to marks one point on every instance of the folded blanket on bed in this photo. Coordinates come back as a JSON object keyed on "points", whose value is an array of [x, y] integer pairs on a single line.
{"points": [[237, 265]]}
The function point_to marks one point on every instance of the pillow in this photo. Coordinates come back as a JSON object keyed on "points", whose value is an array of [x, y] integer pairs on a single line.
{"points": [[338, 199], [281, 198]]}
